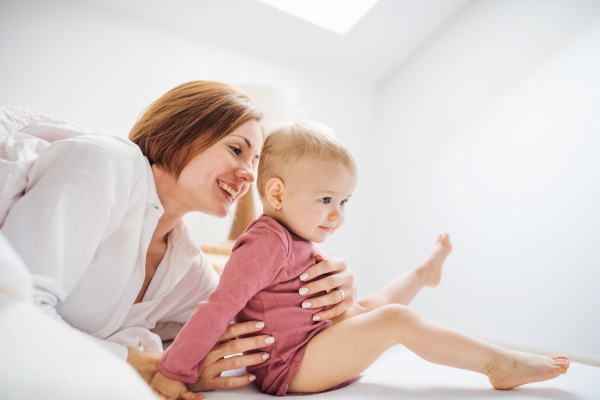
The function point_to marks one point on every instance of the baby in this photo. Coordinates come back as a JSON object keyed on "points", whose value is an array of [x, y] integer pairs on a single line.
{"points": [[305, 178]]}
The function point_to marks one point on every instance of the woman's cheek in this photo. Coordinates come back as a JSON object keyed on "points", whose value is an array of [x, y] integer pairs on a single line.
{"points": [[244, 190]]}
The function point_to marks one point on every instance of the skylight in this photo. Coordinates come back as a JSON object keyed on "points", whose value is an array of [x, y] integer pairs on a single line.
{"points": [[338, 16]]}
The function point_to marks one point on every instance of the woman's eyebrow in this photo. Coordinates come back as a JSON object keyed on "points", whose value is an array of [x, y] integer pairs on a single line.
{"points": [[246, 140]]}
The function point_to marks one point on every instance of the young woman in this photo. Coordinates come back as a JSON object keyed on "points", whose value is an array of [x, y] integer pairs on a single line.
{"points": [[100, 226]]}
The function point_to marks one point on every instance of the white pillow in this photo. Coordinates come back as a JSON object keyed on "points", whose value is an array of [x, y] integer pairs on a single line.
{"points": [[43, 359]]}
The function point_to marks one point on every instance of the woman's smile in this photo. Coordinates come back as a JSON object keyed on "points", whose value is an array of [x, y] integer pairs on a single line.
{"points": [[229, 189]]}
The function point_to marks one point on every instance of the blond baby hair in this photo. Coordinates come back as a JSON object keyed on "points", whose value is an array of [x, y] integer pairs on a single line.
{"points": [[297, 141]]}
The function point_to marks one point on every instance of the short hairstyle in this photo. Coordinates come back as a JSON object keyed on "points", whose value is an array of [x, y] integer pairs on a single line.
{"points": [[188, 120], [299, 141]]}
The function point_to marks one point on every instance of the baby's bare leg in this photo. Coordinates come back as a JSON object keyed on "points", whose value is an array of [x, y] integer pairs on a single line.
{"points": [[348, 348], [405, 287]]}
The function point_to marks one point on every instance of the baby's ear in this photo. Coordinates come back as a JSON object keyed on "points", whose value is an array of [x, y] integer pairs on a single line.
{"points": [[274, 192]]}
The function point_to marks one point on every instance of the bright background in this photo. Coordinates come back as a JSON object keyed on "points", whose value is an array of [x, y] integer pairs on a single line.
{"points": [[478, 118]]}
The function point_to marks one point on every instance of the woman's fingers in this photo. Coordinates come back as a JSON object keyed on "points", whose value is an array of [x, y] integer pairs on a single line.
{"points": [[243, 328], [238, 346], [341, 277], [333, 297], [233, 381], [236, 362], [225, 382], [323, 266], [343, 280], [210, 378], [333, 311], [340, 280], [324, 284]]}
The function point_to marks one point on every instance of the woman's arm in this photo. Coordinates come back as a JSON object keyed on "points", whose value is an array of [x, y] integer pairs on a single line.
{"points": [[75, 193], [340, 277]]}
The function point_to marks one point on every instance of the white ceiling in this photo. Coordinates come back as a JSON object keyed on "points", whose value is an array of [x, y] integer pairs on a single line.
{"points": [[371, 51]]}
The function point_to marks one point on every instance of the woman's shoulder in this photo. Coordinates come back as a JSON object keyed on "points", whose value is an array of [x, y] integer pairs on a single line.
{"points": [[105, 164], [99, 154], [104, 145]]}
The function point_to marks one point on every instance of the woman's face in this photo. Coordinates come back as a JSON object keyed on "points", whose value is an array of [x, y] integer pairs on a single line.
{"points": [[217, 177]]}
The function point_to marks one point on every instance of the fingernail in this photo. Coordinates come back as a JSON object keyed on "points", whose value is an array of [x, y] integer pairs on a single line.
{"points": [[266, 356], [304, 277], [260, 325], [316, 318], [303, 290], [306, 304], [270, 340], [252, 378]]}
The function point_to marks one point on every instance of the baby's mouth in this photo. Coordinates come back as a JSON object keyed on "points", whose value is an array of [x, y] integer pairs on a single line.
{"points": [[228, 189]]}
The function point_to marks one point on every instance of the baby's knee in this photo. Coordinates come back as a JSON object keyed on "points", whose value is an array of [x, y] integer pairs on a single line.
{"points": [[395, 320], [369, 303], [397, 313]]}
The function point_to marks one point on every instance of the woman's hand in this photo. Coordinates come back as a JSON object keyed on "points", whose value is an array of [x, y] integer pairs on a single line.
{"points": [[146, 364], [210, 377], [341, 278]]}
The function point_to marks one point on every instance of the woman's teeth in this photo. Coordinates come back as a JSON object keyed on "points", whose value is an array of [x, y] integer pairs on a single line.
{"points": [[226, 188]]}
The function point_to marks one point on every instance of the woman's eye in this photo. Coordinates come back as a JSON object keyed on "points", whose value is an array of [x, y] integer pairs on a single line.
{"points": [[326, 200], [236, 150]]}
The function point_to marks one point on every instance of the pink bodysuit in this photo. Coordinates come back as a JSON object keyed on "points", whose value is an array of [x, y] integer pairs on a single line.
{"points": [[259, 283]]}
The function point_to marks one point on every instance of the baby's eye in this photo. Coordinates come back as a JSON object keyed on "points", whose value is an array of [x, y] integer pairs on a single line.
{"points": [[343, 202], [236, 150], [326, 200]]}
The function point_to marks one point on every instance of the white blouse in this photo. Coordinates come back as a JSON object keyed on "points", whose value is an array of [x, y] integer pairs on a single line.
{"points": [[83, 227]]}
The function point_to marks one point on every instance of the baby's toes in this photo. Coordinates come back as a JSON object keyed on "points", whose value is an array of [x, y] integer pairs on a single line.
{"points": [[442, 238], [559, 357], [564, 364]]}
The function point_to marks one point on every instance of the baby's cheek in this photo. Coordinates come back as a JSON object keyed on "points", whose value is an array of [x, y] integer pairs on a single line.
{"points": [[339, 224]]}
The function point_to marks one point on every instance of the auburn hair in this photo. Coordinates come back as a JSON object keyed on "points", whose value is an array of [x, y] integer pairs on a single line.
{"points": [[188, 120]]}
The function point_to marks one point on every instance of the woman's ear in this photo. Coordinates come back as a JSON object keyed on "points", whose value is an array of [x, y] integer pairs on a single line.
{"points": [[274, 192]]}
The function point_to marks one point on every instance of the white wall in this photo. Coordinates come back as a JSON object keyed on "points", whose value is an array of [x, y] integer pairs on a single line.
{"points": [[100, 68], [492, 133]]}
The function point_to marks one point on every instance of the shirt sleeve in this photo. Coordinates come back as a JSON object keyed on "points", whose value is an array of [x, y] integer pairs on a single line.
{"points": [[258, 258], [76, 194]]}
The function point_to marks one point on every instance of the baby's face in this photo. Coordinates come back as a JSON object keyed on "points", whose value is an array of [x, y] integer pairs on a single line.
{"points": [[315, 197]]}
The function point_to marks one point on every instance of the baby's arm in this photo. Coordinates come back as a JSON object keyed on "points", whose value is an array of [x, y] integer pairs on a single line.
{"points": [[255, 263]]}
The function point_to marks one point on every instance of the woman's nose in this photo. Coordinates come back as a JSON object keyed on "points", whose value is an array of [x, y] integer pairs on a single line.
{"points": [[246, 174]]}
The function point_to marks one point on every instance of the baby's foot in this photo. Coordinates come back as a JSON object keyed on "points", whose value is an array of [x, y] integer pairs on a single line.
{"points": [[526, 368], [433, 266]]}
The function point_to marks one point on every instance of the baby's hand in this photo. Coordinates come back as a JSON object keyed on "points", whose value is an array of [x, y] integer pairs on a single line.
{"points": [[170, 389]]}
